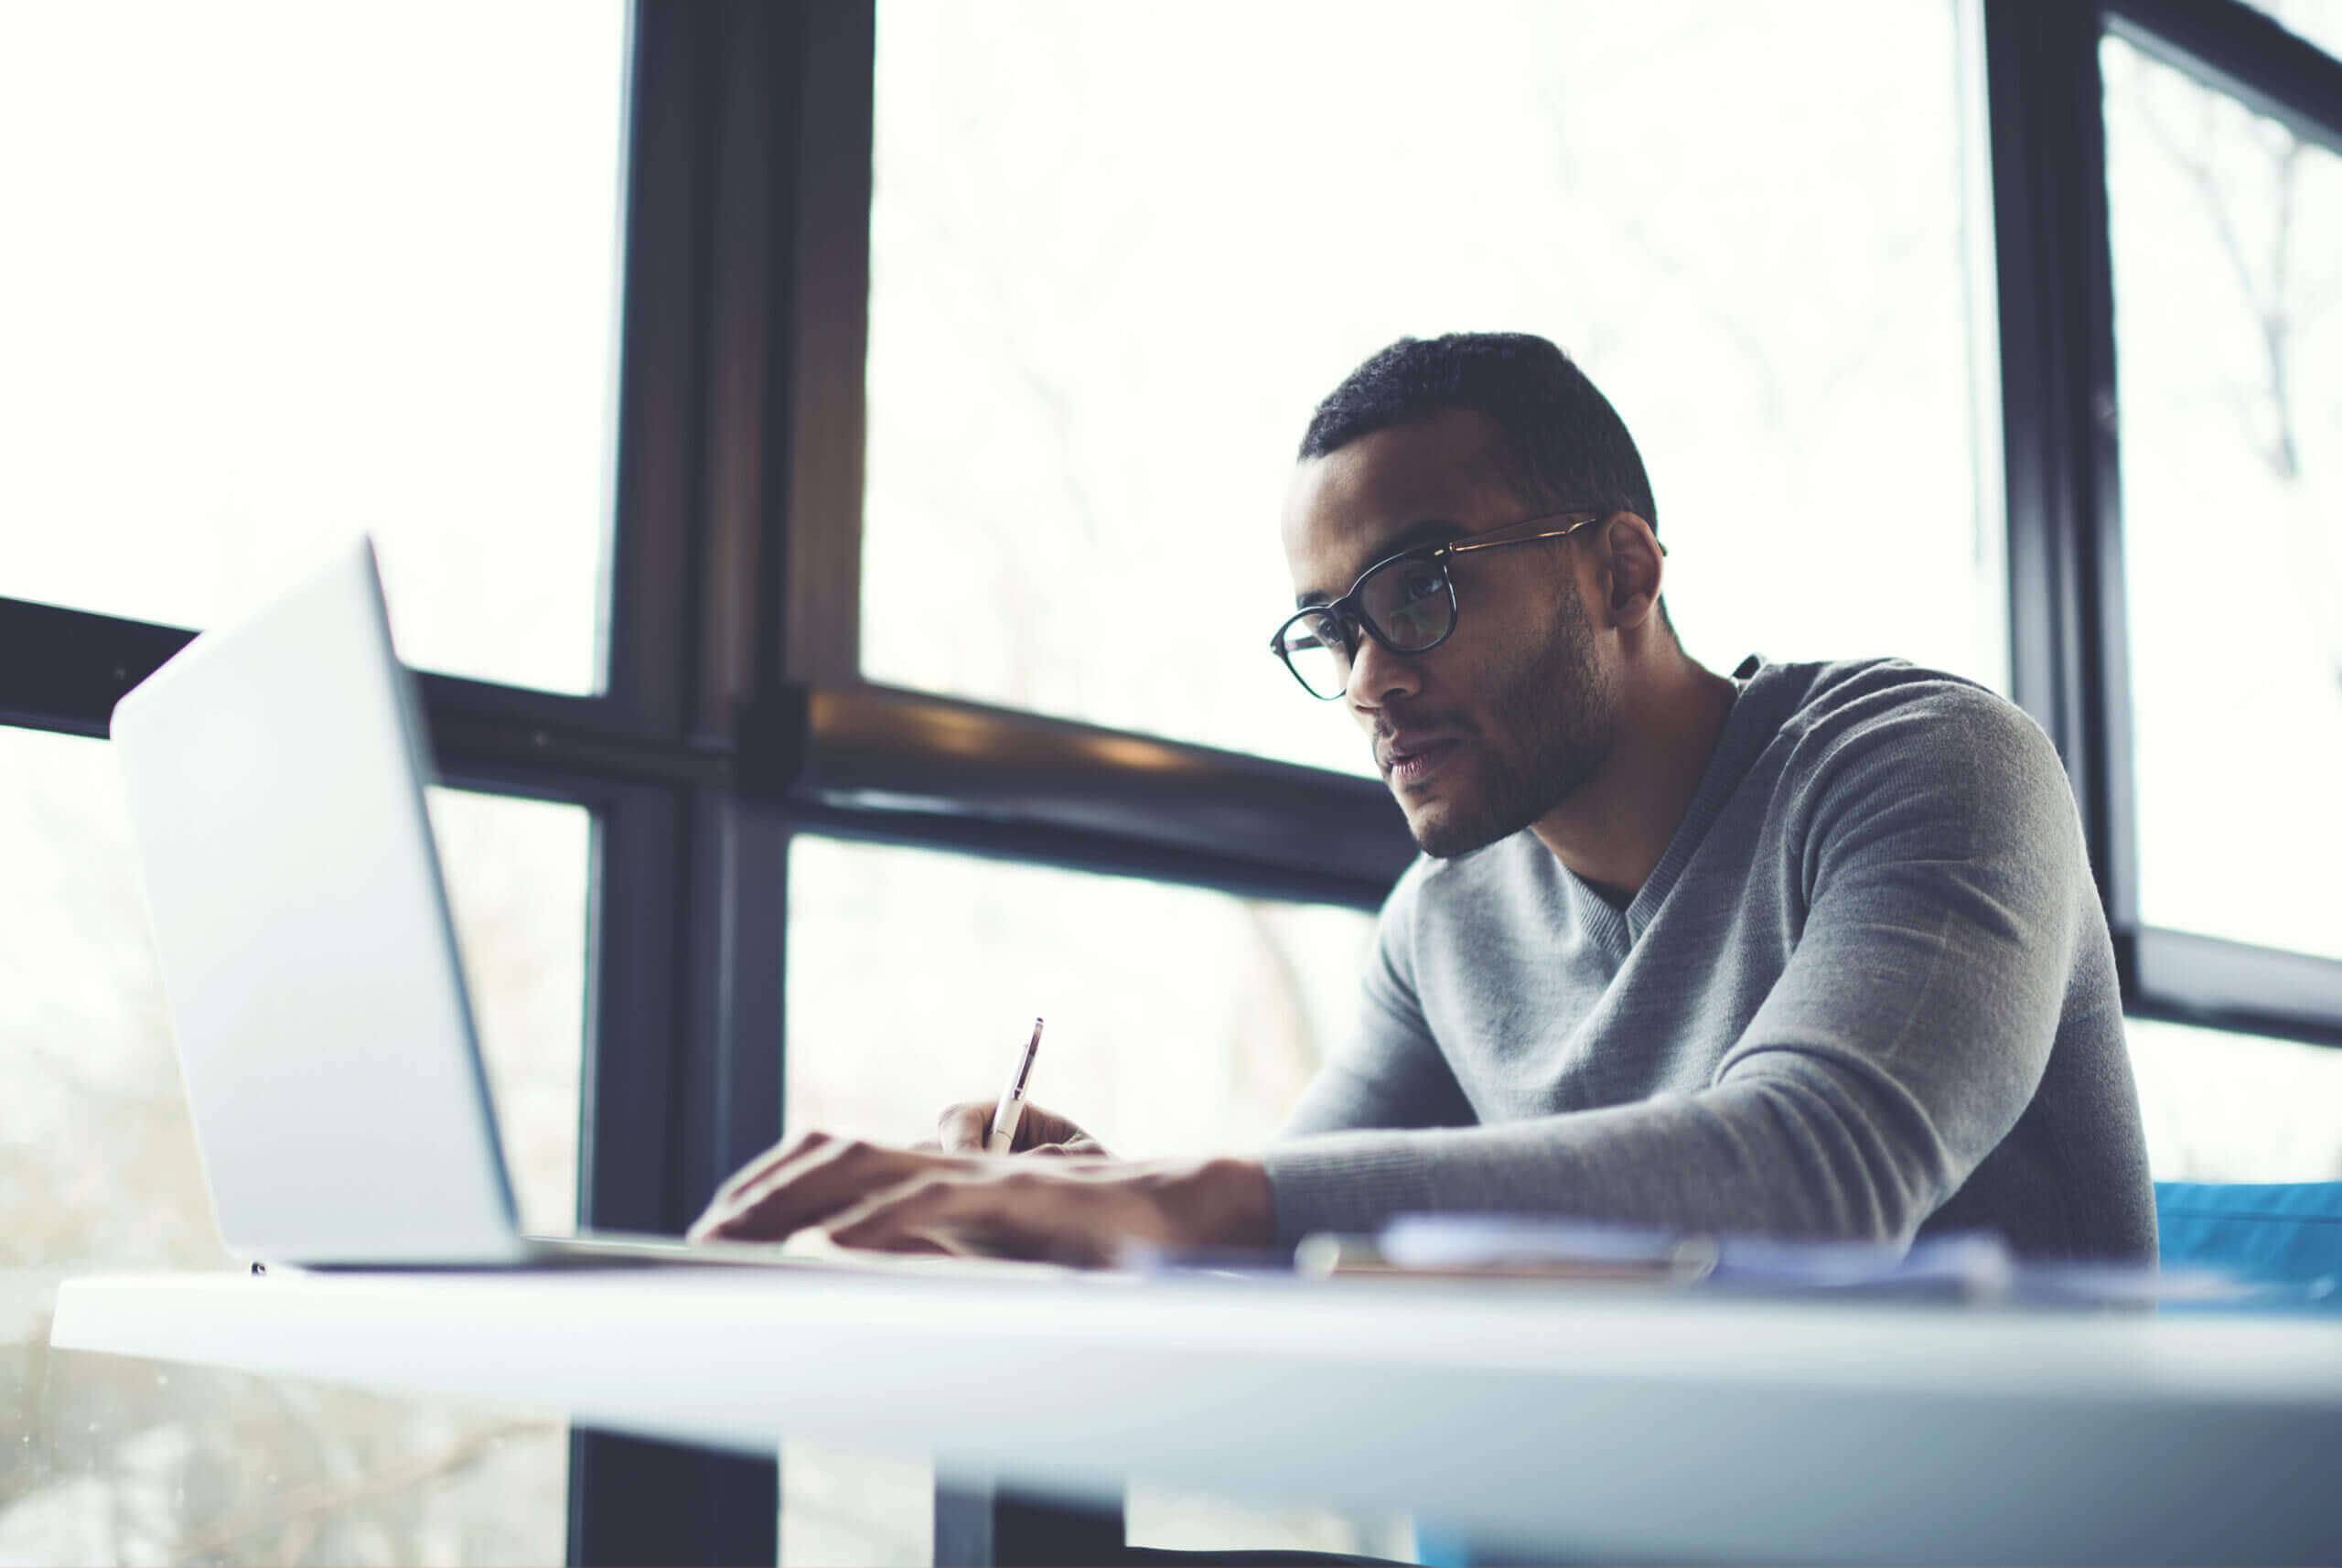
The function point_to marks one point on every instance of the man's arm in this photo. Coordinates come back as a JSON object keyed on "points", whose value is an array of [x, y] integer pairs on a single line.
{"points": [[1905, 1037], [1084, 1207], [1391, 1074], [1068, 1210], [1903, 1040]]}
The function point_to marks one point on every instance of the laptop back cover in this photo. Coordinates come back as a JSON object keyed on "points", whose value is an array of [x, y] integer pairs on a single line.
{"points": [[275, 771]]}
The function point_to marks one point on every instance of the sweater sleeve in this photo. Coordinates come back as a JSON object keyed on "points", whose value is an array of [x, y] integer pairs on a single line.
{"points": [[1942, 872], [1390, 1073]]}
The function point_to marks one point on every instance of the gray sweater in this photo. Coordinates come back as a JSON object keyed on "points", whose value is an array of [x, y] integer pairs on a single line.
{"points": [[1867, 993]]}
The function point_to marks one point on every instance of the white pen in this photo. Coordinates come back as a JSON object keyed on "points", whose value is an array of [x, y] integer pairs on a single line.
{"points": [[1005, 1119]]}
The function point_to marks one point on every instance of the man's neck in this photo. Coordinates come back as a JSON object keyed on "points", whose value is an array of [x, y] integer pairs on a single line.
{"points": [[1612, 831]]}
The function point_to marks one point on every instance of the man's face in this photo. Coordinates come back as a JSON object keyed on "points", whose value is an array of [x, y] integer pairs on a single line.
{"points": [[1487, 733]]}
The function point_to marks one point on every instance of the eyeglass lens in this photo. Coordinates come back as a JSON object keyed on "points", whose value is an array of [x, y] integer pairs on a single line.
{"points": [[1407, 601]]}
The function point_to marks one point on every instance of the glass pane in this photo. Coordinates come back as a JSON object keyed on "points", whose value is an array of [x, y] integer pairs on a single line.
{"points": [[1116, 261], [518, 872], [1180, 1022], [850, 1509], [2319, 21], [2222, 1107], [2228, 292], [278, 271], [117, 1460]]}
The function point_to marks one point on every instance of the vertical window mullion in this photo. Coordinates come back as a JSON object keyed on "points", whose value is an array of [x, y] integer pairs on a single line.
{"points": [[2058, 411], [672, 1064], [646, 632]]}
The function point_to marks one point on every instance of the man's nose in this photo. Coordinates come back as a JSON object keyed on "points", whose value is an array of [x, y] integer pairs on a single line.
{"points": [[1378, 675]]}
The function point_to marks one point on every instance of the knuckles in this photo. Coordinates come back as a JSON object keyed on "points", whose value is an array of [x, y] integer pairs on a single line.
{"points": [[812, 1173], [962, 1126], [923, 1190], [821, 1148]]}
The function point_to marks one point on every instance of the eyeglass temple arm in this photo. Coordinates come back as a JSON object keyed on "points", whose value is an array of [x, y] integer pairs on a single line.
{"points": [[1457, 547]]}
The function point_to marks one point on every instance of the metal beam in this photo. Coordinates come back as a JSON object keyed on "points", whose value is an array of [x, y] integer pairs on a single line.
{"points": [[2216, 984], [658, 1096], [872, 749], [2243, 52], [2068, 646]]}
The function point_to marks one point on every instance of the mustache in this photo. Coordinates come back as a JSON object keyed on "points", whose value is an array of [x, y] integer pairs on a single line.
{"points": [[1387, 729]]}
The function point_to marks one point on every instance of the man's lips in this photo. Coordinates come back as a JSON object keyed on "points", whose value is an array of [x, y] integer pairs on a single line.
{"points": [[1409, 759]]}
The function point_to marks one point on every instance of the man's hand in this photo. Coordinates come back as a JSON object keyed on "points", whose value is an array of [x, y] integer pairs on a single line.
{"points": [[960, 1131], [1072, 1210]]}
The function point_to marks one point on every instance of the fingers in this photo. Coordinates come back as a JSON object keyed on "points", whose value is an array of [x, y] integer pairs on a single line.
{"points": [[756, 1170], [961, 1129], [1011, 1215], [718, 1219], [1041, 1127], [1058, 1211], [1081, 1147], [804, 1181]]}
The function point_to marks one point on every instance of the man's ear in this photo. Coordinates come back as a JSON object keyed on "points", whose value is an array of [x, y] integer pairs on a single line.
{"points": [[1632, 568]]}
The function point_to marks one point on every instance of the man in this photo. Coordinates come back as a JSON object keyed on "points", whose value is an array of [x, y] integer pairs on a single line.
{"points": [[1809, 952]]}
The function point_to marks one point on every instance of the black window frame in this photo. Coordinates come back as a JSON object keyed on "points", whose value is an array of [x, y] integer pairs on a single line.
{"points": [[2062, 428]]}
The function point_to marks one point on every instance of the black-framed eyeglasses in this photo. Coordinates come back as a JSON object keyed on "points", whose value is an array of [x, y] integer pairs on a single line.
{"points": [[1405, 602]]}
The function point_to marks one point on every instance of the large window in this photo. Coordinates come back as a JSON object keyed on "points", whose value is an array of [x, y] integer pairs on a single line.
{"points": [[279, 271], [2227, 238], [2193, 331], [114, 1460], [1116, 257]]}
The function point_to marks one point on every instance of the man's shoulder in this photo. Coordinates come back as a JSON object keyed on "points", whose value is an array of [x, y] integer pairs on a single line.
{"points": [[1883, 701], [1817, 691], [1890, 723]]}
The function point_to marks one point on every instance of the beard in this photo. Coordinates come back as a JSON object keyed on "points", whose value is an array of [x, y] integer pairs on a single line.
{"points": [[1551, 704]]}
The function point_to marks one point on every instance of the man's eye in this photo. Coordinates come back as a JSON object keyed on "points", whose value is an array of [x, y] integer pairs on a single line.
{"points": [[1320, 631], [1418, 582]]}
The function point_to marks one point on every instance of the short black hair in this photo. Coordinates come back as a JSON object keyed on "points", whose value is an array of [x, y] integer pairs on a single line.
{"points": [[1568, 445]]}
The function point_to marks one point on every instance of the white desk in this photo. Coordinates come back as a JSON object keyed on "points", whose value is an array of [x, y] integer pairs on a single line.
{"points": [[1601, 1424]]}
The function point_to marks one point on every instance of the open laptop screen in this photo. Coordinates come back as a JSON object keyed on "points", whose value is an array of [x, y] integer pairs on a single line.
{"points": [[275, 769]]}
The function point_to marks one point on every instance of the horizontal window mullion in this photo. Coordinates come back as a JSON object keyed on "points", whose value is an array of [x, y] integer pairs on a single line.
{"points": [[2186, 978], [65, 669], [558, 776], [896, 765], [504, 731], [873, 751], [2243, 53]]}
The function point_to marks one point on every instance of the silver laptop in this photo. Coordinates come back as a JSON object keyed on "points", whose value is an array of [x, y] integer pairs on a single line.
{"points": [[275, 772]]}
